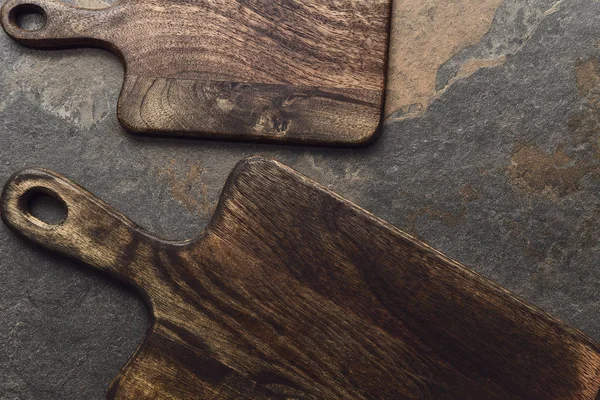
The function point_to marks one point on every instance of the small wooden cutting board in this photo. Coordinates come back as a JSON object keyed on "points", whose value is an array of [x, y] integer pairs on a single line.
{"points": [[307, 71], [292, 292]]}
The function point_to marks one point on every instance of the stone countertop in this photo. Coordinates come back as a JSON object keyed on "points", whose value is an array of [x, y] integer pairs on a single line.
{"points": [[490, 153]]}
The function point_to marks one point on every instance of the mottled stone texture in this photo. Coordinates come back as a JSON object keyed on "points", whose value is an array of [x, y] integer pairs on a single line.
{"points": [[499, 168]]}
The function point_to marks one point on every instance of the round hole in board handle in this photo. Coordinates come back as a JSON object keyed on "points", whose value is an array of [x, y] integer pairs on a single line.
{"points": [[44, 205], [28, 17]]}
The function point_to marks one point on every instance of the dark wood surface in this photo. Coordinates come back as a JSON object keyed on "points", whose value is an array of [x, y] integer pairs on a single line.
{"points": [[309, 71], [291, 292]]}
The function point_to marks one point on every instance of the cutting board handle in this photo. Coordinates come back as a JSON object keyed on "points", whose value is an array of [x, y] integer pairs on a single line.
{"points": [[65, 25], [91, 231]]}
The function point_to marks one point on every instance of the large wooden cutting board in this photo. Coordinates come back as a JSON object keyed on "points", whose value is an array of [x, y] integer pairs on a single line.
{"points": [[292, 292], [308, 71]]}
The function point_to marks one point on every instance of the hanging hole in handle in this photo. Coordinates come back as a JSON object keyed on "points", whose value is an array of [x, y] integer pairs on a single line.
{"points": [[44, 205], [28, 17]]}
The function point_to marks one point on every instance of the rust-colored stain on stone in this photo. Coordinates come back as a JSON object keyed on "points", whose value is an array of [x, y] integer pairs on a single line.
{"points": [[447, 218], [469, 193], [553, 174], [531, 250], [450, 217], [187, 188], [425, 35], [557, 173], [585, 125], [588, 80]]}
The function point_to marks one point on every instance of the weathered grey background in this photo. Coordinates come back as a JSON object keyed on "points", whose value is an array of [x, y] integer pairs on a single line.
{"points": [[498, 168]]}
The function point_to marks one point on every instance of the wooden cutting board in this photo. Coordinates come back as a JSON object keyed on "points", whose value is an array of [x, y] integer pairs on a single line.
{"points": [[308, 71], [292, 292]]}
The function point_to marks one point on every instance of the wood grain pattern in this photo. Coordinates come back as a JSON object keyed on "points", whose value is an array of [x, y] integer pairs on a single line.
{"points": [[307, 71], [292, 292]]}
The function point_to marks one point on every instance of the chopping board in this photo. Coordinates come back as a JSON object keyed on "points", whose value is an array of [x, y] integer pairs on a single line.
{"points": [[292, 292], [305, 71]]}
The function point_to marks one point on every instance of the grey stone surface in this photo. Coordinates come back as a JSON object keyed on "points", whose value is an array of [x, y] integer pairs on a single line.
{"points": [[501, 173]]}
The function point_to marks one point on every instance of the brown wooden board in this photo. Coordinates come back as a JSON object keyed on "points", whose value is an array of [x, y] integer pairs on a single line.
{"points": [[292, 292], [308, 71]]}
